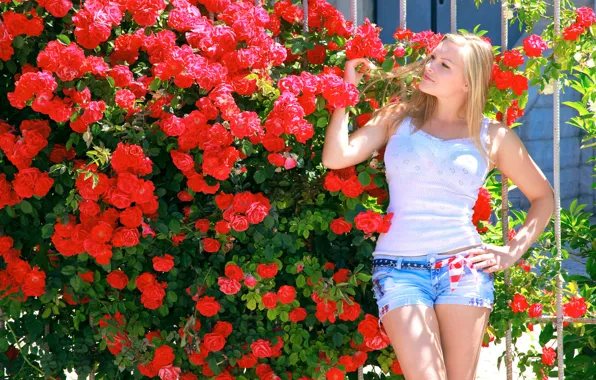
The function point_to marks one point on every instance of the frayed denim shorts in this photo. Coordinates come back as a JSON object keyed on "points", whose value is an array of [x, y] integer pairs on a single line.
{"points": [[428, 280]]}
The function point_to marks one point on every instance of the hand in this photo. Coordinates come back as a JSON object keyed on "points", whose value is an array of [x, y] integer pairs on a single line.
{"points": [[492, 258], [351, 75]]}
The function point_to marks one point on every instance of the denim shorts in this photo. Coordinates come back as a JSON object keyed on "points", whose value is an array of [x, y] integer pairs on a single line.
{"points": [[428, 280]]}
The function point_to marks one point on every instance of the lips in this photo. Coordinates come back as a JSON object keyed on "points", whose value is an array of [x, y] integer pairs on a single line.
{"points": [[427, 78]]}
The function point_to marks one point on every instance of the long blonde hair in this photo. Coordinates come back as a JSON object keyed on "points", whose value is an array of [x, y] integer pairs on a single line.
{"points": [[478, 63]]}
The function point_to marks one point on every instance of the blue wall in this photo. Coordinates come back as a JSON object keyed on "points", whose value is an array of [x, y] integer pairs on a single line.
{"points": [[435, 15]]}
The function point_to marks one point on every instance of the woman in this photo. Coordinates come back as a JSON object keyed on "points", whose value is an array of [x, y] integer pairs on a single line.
{"points": [[432, 276]]}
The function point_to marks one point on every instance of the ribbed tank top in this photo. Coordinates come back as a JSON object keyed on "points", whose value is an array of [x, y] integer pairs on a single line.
{"points": [[433, 186]]}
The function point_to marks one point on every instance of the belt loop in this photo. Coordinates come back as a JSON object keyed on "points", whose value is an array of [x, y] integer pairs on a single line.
{"points": [[399, 260]]}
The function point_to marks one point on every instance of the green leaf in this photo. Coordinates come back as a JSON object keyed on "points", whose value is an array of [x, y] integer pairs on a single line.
{"points": [[111, 81], [163, 310], [364, 178], [260, 176], [174, 226], [172, 296], [47, 231], [272, 314], [300, 281], [15, 309], [154, 84], [26, 207], [63, 38], [388, 64], [68, 270]]}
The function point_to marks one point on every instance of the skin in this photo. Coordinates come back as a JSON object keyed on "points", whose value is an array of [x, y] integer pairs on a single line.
{"points": [[429, 342]]}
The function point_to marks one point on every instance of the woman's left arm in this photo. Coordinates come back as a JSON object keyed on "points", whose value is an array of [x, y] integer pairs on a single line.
{"points": [[513, 160]]}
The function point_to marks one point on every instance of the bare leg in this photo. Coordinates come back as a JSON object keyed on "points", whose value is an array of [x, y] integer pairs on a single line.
{"points": [[414, 334], [462, 328]]}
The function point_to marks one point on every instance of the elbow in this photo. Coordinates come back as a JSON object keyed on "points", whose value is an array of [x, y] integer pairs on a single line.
{"points": [[328, 164]]}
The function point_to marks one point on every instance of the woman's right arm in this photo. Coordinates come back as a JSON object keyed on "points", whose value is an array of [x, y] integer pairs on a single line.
{"points": [[342, 149]]}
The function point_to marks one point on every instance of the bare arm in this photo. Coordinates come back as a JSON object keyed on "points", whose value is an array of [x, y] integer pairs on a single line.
{"points": [[514, 161], [342, 149]]}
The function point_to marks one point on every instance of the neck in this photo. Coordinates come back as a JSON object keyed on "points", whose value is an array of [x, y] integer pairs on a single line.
{"points": [[449, 112]]}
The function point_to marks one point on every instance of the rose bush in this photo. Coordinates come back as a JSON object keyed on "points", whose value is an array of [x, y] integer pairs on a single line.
{"points": [[163, 207]]}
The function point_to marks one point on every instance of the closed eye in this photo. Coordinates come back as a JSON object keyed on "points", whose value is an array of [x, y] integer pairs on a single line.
{"points": [[432, 56]]}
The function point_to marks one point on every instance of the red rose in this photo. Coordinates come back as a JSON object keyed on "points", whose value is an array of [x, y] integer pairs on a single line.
{"points": [[352, 188], [534, 45], [286, 294], [228, 286], [503, 79], [513, 58], [222, 227], [239, 223], [211, 245], [368, 221], [270, 300], [35, 283], [117, 279], [224, 200], [256, 213], [585, 17], [341, 275], [132, 217], [335, 374], [519, 85], [519, 303], [182, 161], [207, 306], [87, 276], [234, 272], [163, 263], [267, 270], [202, 225], [548, 356], [223, 328], [6, 243], [369, 326], [350, 312], [164, 356], [247, 361], [535, 310], [572, 32], [298, 314], [125, 237], [340, 226], [261, 348], [332, 182], [214, 341], [575, 308]]}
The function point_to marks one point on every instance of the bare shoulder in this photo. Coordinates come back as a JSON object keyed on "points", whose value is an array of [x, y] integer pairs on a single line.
{"points": [[387, 115], [501, 139]]}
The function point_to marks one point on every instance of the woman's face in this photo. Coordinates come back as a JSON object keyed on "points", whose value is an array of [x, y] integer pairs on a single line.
{"points": [[444, 72]]}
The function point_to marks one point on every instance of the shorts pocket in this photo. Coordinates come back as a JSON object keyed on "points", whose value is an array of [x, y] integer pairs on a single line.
{"points": [[378, 278]]}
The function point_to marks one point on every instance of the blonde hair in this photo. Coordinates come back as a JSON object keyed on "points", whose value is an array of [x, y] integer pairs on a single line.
{"points": [[478, 63]]}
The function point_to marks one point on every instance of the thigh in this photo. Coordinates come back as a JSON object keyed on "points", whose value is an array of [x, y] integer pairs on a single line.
{"points": [[415, 336], [461, 346]]}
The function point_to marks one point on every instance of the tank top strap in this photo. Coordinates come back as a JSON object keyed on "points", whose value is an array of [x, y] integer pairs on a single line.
{"points": [[484, 131]]}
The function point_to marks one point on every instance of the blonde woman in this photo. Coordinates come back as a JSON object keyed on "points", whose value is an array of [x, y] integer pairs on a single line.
{"points": [[432, 276]]}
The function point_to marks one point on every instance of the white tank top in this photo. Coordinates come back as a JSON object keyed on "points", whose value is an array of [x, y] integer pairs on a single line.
{"points": [[433, 186]]}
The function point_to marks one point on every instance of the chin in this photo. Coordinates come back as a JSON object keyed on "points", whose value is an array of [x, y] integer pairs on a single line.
{"points": [[424, 88]]}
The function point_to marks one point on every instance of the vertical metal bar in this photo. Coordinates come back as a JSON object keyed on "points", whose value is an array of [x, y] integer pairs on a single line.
{"points": [[305, 18], [402, 13], [453, 16], [557, 188], [505, 206], [354, 14]]}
